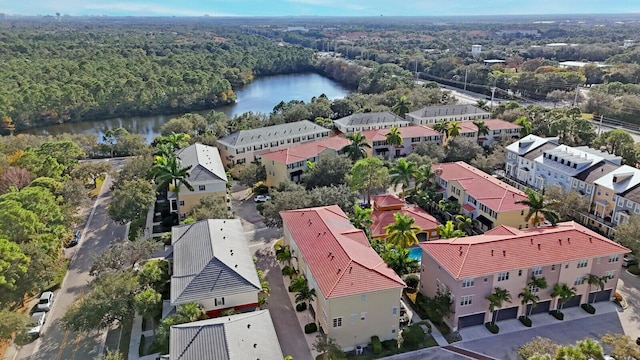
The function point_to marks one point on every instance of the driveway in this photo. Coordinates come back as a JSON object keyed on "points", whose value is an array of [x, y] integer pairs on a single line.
{"points": [[55, 342], [629, 287]]}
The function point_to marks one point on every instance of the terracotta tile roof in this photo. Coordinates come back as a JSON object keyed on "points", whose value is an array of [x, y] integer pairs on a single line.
{"points": [[468, 207], [509, 249], [303, 152], [387, 200], [338, 255], [492, 192], [499, 124], [405, 132], [383, 218], [467, 127]]}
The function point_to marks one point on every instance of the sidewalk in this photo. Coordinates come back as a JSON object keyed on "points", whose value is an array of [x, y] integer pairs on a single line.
{"points": [[304, 317], [136, 335], [435, 333], [538, 320]]}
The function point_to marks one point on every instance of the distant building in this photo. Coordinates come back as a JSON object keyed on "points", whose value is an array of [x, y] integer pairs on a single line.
{"points": [[518, 32], [578, 64], [384, 208], [476, 49], [434, 114], [494, 62], [628, 43], [360, 122], [247, 145], [411, 137]]}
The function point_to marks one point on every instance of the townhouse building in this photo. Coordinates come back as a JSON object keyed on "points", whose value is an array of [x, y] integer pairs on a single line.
{"points": [[498, 129], [615, 196], [521, 155], [248, 145], [482, 197], [358, 295], [469, 268], [360, 122], [431, 115], [384, 208], [206, 175], [212, 266], [289, 164], [411, 137]]}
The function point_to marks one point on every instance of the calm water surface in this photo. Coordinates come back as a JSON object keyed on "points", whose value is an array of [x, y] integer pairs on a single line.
{"points": [[259, 96]]}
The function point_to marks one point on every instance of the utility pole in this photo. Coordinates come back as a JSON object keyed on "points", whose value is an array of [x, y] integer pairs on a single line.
{"points": [[575, 99], [416, 69], [600, 124], [466, 72], [493, 93]]}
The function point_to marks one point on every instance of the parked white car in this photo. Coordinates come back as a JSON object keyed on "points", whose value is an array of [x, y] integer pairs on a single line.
{"points": [[36, 323], [262, 198], [46, 301]]}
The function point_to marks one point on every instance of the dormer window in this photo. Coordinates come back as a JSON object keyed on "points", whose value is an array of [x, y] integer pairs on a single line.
{"points": [[562, 161]]}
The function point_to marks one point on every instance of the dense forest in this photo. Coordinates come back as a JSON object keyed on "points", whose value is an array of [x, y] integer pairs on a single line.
{"points": [[72, 70]]}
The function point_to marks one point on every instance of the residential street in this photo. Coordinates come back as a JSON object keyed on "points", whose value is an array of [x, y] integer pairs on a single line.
{"points": [[56, 343]]}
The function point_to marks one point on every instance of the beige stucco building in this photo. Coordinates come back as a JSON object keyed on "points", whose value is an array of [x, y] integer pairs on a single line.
{"points": [[358, 295], [469, 268]]}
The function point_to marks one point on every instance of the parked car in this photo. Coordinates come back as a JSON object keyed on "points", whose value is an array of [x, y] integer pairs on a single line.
{"points": [[74, 241], [629, 261], [261, 198], [46, 301], [36, 322]]}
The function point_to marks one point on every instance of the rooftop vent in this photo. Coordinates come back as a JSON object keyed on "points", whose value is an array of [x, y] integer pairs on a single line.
{"points": [[248, 326], [504, 252], [339, 269], [539, 246]]}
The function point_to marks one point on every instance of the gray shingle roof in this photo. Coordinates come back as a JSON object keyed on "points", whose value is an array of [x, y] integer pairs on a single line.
{"points": [[272, 133], [595, 172], [370, 118], [211, 259], [531, 155], [205, 162], [447, 110], [246, 336]]}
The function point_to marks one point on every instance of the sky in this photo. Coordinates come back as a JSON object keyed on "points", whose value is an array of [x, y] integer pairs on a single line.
{"points": [[315, 7]]}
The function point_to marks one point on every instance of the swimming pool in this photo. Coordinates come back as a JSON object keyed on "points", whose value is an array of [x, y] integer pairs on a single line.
{"points": [[415, 253]]}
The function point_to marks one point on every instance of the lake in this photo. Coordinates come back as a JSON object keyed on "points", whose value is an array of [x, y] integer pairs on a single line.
{"points": [[259, 96]]}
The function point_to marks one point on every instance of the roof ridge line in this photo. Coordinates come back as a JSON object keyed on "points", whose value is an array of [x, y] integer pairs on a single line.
{"points": [[339, 277]]}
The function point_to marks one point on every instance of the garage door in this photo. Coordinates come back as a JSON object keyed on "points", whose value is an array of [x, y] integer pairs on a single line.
{"points": [[572, 302], [508, 313], [600, 296], [541, 307], [470, 320]]}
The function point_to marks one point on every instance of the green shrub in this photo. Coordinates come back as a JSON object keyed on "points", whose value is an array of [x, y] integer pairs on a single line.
{"points": [[493, 328], [588, 308], [376, 344], [412, 281], [260, 207], [261, 189], [301, 307], [557, 314], [390, 344], [634, 269], [288, 271], [525, 321], [412, 336], [310, 328]]}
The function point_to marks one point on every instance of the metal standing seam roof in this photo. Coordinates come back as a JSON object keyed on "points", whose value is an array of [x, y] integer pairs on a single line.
{"points": [[529, 143], [245, 336], [621, 179], [338, 255], [205, 162], [371, 118], [507, 249], [448, 110], [211, 259], [272, 133]]}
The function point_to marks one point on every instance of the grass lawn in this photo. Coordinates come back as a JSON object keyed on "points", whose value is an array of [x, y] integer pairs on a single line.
{"points": [[587, 116]]}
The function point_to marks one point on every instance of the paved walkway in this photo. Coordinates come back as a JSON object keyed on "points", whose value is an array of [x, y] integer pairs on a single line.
{"points": [[538, 320], [136, 336], [435, 333]]}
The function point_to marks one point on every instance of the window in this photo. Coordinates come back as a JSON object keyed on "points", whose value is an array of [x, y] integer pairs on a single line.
{"points": [[394, 310], [613, 258], [533, 289], [353, 318], [610, 274], [503, 276], [218, 302], [553, 268], [582, 263], [468, 282], [486, 279], [202, 187], [629, 204], [466, 300], [579, 280], [599, 192], [363, 297], [337, 322], [363, 316], [519, 272], [393, 329], [536, 270], [181, 202]]}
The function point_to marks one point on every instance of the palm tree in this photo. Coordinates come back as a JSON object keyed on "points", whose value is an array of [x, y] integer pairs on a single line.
{"points": [[167, 170], [175, 141], [540, 209], [527, 127], [357, 149], [402, 172], [299, 283], [590, 349], [563, 292], [361, 219], [464, 224], [538, 282], [401, 107], [394, 137], [283, 254], [398, 259], [305, 295], [483, 129], [497, 298], [599, 282], [423, 177], [453, 129], [402, 233], [441, 127], [528, 297], [449, 231]]}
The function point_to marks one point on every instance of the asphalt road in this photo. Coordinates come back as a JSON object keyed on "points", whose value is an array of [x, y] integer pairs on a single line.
{"points": [[55, 343]]}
